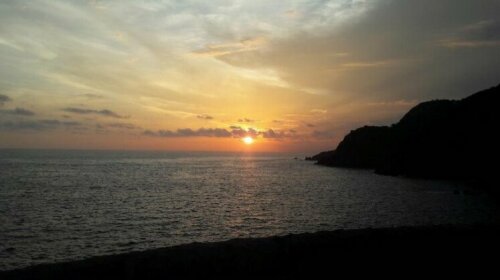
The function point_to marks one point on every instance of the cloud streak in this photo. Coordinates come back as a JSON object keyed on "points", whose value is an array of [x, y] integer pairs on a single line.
{"points": [[388, 46], [121, 126], [231, 48], [205, 117], [272, 134], [246, 120], [188, 132], [239, 132], [485, 33], [4, 99], [38, 125], [18, 112], [103, 112], [232, 132]]}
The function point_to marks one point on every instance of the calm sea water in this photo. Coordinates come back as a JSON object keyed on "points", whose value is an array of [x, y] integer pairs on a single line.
{"points": [[64, 205]]}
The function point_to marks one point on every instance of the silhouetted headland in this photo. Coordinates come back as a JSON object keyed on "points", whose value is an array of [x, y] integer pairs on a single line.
{"points": [[413, 250], [447, 139]]}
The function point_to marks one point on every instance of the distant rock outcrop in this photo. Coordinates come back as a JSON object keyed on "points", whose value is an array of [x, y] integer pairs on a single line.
{"points": [[436, 139], [320, 156]]}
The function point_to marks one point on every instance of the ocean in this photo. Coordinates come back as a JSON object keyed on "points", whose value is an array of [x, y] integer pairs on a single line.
{"points": [[67, 205]]}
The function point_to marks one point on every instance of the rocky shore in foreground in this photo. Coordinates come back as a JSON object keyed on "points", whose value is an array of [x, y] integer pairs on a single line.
{"points": [[414, 251]]}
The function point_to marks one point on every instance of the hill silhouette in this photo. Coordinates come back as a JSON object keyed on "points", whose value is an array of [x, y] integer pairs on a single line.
{"points": [[447, 139]]}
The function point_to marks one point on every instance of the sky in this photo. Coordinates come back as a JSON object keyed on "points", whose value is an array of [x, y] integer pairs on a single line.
{"points": [[296, 76]]}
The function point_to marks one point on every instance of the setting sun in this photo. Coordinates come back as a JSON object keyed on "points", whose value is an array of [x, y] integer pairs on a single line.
{"points": [[256, 138], [248, 140]]}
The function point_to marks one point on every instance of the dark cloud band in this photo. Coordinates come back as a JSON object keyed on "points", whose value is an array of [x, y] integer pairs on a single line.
{"points": [[188, 132], [37, 125], [103, 112], [232, 132], [4, 99], [18, 112]]}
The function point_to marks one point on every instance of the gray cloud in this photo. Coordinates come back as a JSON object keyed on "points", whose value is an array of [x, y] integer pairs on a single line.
{"points": [[122, 126], [280, 134], [485, 33], [4, 99], [393, 52], [246, 120], [92, 96], [38, 125], [103, 112], [270, 133], [241, 132], [188, 132], [205, 117], [113, 127], [233, 131], [18, 112]]}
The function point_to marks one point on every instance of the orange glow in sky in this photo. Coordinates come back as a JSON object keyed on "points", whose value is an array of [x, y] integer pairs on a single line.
{"points": [[195, 76]]}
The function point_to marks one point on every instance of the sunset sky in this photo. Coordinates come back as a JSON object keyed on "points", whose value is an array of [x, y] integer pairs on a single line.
{"points": [[201, 75]]}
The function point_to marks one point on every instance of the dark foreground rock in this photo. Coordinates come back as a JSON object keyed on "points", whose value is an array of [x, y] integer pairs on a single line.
{"points": [[404, 252], [437, 139]]}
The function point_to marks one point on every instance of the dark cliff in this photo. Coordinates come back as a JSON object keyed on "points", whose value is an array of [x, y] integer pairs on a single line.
{"points": [[436, 139]]}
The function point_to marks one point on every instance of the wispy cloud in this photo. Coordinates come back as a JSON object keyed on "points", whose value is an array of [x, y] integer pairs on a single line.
{"points": [[241, 132], [4, 99], [18, 112], [270, 133], [205, 117], [368, 64], [461, 43], [246, 120], [103, 112], [92, 96], [126, 126], [231, 48], [319, 111], [484, 33], [38, 125], [188, 132], [232, 132]]}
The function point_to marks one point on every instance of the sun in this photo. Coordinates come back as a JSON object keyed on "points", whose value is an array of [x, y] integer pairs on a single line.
{"points": [[247, 140]]}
